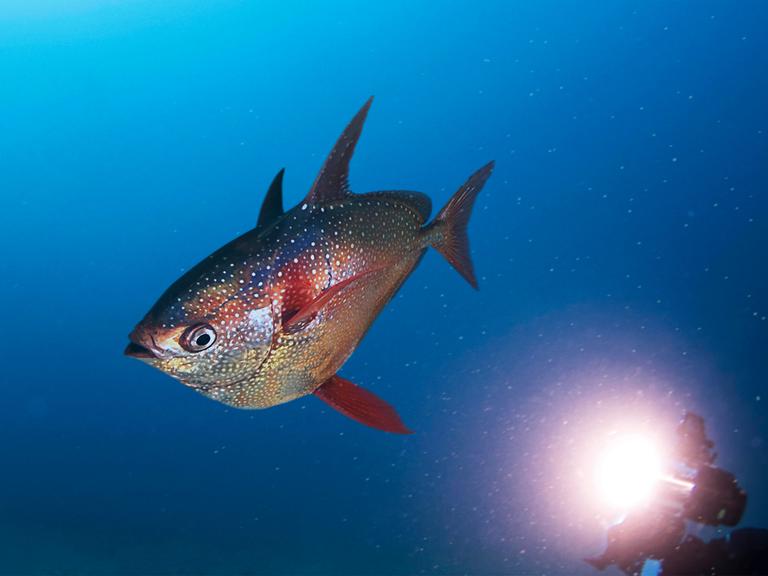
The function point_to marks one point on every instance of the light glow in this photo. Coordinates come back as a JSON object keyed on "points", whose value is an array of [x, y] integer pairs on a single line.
{"points": [[627, 472]]}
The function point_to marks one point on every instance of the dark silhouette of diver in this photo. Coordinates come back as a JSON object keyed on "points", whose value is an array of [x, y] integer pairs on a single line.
{"points": [[703, 494]]}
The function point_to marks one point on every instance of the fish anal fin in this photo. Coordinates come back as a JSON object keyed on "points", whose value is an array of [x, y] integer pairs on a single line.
{"points": [[272, 205], [332, 182], [360, 405]]}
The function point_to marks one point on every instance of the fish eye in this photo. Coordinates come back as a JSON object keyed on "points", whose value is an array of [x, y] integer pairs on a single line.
{"points": [[197, 338]]}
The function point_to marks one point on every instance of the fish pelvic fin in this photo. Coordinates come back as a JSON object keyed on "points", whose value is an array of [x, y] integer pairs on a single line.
{"points": [[272, 205], [450, 225], [360, 405], [332, 182]]}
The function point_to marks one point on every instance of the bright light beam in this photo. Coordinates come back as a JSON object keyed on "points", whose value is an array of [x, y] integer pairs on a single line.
{"points": [[627, 472]]}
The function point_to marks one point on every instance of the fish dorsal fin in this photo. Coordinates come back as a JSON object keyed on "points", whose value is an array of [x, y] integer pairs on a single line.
{"points": [[332, 183], [272, 205]]}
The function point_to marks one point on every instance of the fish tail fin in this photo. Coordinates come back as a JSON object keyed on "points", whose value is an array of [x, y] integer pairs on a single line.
{"points": [[450, 225]]}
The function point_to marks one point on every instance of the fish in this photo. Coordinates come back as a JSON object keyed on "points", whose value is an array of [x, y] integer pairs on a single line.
{"points": [[274, 314]]}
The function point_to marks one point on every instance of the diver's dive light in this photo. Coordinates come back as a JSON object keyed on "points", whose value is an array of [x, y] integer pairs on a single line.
{"points": [[631, 473], [658, 492], [628, 472]]}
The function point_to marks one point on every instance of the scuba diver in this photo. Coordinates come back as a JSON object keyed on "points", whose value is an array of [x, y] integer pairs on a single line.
{"points": [[697, 492]]}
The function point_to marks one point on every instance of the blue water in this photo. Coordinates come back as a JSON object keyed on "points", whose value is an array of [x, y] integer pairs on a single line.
{"points": [[620, 247]]}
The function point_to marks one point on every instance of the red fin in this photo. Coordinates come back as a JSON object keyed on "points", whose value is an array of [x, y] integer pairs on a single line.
{"points": [[314, 307], [454, 245], [361, 405], [300, 286]]}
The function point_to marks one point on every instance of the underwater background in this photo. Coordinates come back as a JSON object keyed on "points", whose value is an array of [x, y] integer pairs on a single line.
{"points": [[620, 247]]}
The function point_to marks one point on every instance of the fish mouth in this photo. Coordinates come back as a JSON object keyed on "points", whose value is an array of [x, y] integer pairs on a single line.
{"points": [[135, 350], [142, 345]]}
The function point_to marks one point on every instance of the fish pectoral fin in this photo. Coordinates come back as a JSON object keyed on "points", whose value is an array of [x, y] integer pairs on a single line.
{"points": [[360, 405], [307, 311]]}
